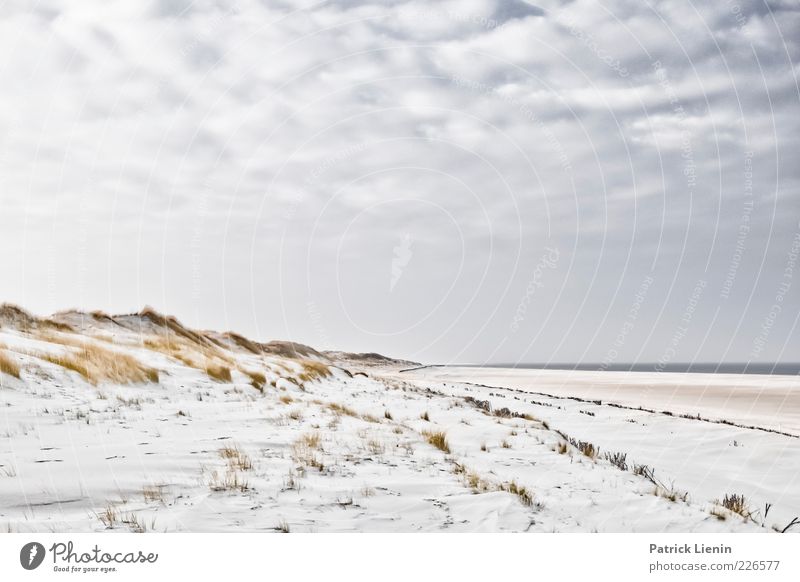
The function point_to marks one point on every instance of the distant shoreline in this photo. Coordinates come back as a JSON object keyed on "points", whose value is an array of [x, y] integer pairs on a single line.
{"points": [[769, 369]]}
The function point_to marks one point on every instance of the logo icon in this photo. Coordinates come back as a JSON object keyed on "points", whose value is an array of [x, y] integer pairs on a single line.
{"points": [[31, 555], [402, 256]]}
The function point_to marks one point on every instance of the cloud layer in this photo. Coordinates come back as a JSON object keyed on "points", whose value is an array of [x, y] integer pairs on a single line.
{"points": [[452, 181]]}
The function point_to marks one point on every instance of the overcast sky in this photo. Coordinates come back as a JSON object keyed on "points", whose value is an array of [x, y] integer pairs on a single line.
{"points": [[480, 180]]}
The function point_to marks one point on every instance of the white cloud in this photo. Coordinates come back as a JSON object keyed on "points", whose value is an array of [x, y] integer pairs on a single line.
{"points": [[233, 165]]}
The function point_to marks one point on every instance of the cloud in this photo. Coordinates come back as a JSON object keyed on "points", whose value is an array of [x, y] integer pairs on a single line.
{"points": [[254, 167]]}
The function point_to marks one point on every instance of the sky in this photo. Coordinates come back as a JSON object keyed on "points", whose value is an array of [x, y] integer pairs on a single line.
{"points": [[472, 181]]}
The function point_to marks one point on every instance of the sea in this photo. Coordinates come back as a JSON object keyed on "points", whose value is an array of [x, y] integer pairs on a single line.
{"points": [[771, 369]]}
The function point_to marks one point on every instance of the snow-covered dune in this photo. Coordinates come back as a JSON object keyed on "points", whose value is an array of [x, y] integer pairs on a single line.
{"points": [[137, 423]]}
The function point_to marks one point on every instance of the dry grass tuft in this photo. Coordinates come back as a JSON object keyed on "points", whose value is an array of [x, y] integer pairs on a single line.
{"points": [[209, 359], [8, 365], [237, 459], [153, 493], [257, 379], [341, 409], [619, 460], [480, 485], [313, 370], [425, 416], [109, 516], [218, 372], [304, 451], [737, 504], [524, 494], [230, 481], [438, 440], [97, 364]]}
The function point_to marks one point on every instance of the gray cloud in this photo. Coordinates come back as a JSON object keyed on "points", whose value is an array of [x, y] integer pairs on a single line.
{"points": [[256, 168]]}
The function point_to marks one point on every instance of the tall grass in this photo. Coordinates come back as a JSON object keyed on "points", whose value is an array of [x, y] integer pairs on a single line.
{"points": [[97, 364], [8, 365]]}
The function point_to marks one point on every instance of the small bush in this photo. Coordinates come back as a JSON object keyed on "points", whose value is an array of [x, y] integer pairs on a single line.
{"points": [[425, 416]]}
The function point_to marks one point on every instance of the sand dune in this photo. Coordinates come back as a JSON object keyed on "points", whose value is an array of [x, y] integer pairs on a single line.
{"points": [[228, 434]]}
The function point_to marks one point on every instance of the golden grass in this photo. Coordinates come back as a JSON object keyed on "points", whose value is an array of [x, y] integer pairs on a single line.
{"points": [[236, 458], [480, 485], [313, 370], [257, 379], [304, 451], [337, 408], [438, 440], [8, 365], [218, 372], [97, 364], [153, 493], [230, 481]]}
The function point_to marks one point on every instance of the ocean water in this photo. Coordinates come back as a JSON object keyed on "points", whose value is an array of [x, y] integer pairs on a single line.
{"points": [[772, 369]]}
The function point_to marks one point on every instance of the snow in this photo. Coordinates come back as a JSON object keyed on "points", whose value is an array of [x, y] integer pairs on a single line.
{"points": [[80, 457]]}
